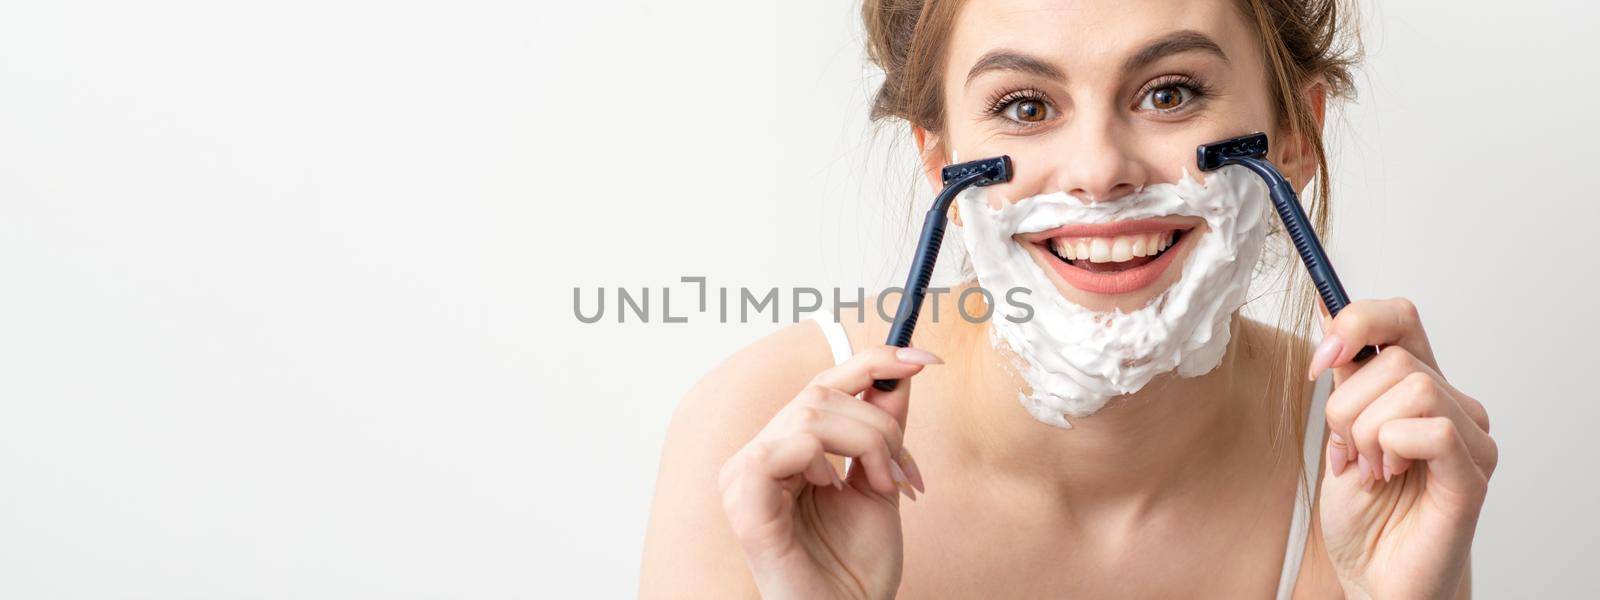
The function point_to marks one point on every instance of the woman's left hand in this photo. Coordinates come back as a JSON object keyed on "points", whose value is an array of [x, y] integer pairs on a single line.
{"points": [[1409, 458]]}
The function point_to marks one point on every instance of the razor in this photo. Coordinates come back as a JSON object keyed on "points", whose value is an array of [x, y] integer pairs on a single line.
{"points": [[1250, 152], [980, 173]]}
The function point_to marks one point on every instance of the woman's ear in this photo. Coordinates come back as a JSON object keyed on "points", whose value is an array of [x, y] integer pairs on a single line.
{"points": [[930, 148], [1299, 158]]}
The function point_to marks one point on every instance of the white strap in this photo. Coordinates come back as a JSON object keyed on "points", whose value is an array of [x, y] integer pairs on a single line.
{"points": [[1300, 519], [838, 342]]}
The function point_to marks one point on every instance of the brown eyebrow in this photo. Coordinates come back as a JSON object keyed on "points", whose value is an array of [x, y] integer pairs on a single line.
{"points": [[1177, 42], [1011, 60]]}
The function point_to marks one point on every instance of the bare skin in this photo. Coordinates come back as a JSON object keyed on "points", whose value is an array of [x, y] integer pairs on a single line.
{"points": [[1177, 490]]}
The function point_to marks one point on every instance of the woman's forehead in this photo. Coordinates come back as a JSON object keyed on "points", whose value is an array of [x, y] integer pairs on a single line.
{"points": [[1080, 35]]}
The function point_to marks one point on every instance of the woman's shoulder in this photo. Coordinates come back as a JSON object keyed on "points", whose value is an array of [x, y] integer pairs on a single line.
{"points": [[688, 543], [742, 392]]}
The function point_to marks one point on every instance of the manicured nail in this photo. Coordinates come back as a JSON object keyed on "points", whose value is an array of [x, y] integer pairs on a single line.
{"points": [[838, 483], [912, 472], [1378, 467], [1366, 470], [1387, 472], [1327, 351], [917, 356], [900, 480], [1338, 454]]}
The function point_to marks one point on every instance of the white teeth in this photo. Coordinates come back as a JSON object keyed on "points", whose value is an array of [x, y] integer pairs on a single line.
{"points": [[1121, 249], [1062, 248], [1112, 249], [1099, 250]]}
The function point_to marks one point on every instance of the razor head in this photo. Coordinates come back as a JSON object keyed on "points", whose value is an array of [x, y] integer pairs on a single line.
{"points": [[1215, 154], [994, 170]]}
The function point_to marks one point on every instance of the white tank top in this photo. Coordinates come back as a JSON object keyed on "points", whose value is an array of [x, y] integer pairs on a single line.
{"points": [[1299, 520]]}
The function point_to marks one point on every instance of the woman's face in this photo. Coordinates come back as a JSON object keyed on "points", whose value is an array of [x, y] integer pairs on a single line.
{"points": [[1099, 98]]}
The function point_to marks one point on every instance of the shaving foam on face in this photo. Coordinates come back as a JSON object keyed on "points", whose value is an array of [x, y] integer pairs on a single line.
{"points": [[1074, 359]]}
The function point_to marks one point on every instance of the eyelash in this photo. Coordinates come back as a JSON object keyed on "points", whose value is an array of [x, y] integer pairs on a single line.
{"points": [[1198, 90], [998, 103]]}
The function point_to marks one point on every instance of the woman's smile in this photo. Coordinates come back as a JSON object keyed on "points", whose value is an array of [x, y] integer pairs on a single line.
{"points": [[1112, 258]]}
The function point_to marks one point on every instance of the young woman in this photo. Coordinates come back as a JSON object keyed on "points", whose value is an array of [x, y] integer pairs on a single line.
{"points": [[1239, 478]]}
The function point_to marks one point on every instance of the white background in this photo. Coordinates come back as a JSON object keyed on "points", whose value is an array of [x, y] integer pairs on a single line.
{"points": [[286, 288]]}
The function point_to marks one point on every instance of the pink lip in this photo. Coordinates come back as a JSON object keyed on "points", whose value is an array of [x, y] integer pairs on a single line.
{"points": [[1120, 282], [1112, 229]]}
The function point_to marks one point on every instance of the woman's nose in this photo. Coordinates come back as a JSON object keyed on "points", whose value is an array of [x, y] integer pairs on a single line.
{"points": [[1098, 167]]}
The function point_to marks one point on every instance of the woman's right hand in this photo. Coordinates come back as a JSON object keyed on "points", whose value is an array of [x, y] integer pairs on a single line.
{"points": [[805, 532]]}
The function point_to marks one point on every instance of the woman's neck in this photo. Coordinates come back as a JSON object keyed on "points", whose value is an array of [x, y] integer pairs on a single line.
{"points": [[1161, 440]]}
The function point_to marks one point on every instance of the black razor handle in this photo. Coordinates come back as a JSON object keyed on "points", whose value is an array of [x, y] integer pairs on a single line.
{"points": [[1250, 152], [1313, 255], [988, 171]]}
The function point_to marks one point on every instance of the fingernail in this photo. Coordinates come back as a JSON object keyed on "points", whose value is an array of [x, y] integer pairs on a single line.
{"points": [[900, 480], [838, 484], [917, 356], [1366, 470], [1327, 351], [912, 471], [1377, 468], [1338, 456], [1387, 472]]}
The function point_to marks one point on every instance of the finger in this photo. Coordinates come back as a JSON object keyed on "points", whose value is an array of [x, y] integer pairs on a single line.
{"points": [[783, 458], [1437, 441], [896, 402], [757, 479], [871, 414], [1418, 395], [880, 362], [1474, 410], [820, 473], [872, 452], [1392, 322], [1339, 453], [1368, 382], [1365, 383]]}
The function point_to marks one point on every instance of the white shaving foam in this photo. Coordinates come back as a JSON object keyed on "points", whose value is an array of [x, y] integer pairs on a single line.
{"points": [[1074, 359]]}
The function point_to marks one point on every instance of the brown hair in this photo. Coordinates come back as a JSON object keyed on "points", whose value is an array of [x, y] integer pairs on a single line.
{"points": [[1302, 40]]}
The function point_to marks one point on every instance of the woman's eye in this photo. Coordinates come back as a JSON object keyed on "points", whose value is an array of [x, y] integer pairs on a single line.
{"points": [[1166, 98], [1028, 111]]}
